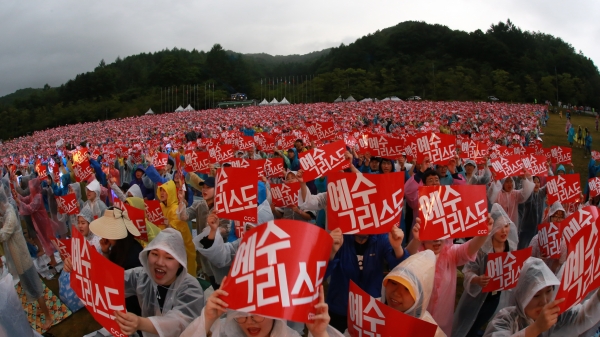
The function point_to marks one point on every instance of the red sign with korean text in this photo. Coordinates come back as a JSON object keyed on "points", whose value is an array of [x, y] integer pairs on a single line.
{"points": [[321, 130], [536, 165], [384, 146], [322, 160], [439, 147], [278, 270], [41, 170], [83, 171], [55, 172], [563, 188], [159, 160], [62, 246], [273, 167], [98, 283], [67, 204], [475, 150], [245, 143], [220, 153], [138, 218], [79, 156], [504, 269], [560, 154], [197, 161], [154, 212], [549, 239], [508, 166], [236, 194], [581, 270], [285, 194], [452, 211], [286, 142], [364, 203], [264, 142], [594, 185], [369, 317]]}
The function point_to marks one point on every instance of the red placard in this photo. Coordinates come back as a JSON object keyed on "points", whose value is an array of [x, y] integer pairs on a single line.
{"points": [[245, 143], [62, 246], [504, 269], [508, 166], [560, 154], [278, 270], [321, 130], [369, 317], [595, 155], [98, 283], [285, 194], [79, 156], [536, 165], [95, 154], [439, 147], [549, 236], [160, 160], [475, 150], [452, 211], [220, 153], [55, 172], [364, 203], [154, 212], [264, 142], [41, 170], [563, 188], [273, 168], [67, 204], [138, 218], [197, 161], [286, 142], [236, 195], [581, 271], [83, 171], [322, 160], [245, 163], [594, 185], [384, 146]]}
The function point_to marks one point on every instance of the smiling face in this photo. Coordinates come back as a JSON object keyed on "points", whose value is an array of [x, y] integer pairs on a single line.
{"points": [[253, 329], [397, 296], [162, 267], [537, 303], [435, 246]]}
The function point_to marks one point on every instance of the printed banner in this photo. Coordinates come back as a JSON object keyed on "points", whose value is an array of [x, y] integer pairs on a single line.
{"points": [[321, 130], [560, 154], [452, 212], [138, 218], [83, 171], [369, 317], [67, 204], [98, 283], [509, 166], [581, 271], [285, 194], [594, 185], [278, 270], [439, 147], [322, 160], [236, 195], [197, 161], [504, 269], [564, 188], [154, 212], [364, 203], [549, 239]]}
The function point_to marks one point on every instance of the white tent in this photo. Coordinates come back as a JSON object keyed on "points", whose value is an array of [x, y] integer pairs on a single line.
{"points": [[366, 100], [350, 99], [188, 108], [338, 100], [264, 102], [149, 112], [395, 99], [386, 99], [284, 101], [274, 101], [180, 109]]}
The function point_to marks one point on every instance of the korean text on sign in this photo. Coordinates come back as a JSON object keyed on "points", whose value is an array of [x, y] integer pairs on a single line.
{"points": [[440, 148], [452, 211], [549, 239], [564, 188], [322, 160], [504, 269], [236, 194], [364, 203], [278, 269]]}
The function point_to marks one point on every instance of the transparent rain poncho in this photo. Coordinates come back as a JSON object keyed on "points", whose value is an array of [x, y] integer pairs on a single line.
{"points": [[419, 271], [535, 276], [472, 298], [185, 298]]}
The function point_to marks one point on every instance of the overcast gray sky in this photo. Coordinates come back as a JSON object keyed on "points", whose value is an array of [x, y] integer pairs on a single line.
{"points": [[52, 41]]}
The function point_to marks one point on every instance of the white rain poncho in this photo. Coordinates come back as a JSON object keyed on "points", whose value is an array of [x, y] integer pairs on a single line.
{"points": [[535, 276], [419, 271], [472, 298], [185, 298], [97, 206], [228, 327], [531, 216], [553, 264], [13, 320], [510, 200]]}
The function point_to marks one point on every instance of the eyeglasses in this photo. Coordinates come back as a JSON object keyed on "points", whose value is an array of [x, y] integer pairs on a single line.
{"points": [[255, 319]]}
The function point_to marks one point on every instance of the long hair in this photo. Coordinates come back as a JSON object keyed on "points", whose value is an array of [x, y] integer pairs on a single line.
{"points": [[120, 251]]}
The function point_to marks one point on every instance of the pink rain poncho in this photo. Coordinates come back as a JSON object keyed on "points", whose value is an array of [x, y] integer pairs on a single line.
{"points": [[33, 204]]}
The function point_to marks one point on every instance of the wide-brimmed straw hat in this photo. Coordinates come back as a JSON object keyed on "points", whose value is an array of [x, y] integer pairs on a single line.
{"points": [[114, 225]]}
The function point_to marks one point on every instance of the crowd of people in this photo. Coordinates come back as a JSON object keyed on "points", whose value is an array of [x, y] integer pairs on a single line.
{"points": [[173, 279]]}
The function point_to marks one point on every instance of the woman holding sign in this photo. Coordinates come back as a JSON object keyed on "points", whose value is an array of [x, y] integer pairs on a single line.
{"points": [[536, 314], [475, 307]]}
